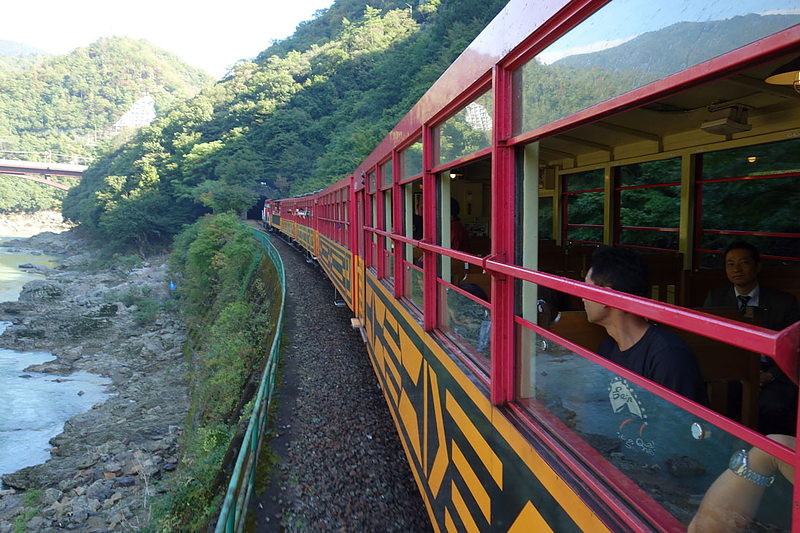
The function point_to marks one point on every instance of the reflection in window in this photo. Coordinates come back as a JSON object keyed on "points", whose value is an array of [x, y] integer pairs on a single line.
{"points": [[386, 171], [411, 161], [466, 132], [635, 434], [620, 48], [388, 244], [413, 286], [465, 320]]}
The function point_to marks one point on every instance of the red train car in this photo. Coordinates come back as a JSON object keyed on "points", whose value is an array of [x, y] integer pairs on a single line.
{"points": [[670, 128]]}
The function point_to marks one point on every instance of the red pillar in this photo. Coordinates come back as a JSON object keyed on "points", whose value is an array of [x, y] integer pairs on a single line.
{"points": [[502, 332]]}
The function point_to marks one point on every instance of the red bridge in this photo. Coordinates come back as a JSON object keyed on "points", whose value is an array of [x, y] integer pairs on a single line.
{"points": [[41, 172]]}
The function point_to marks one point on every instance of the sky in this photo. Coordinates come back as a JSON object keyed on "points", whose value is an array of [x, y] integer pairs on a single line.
{"points": [[622, 20], [211, 35]]}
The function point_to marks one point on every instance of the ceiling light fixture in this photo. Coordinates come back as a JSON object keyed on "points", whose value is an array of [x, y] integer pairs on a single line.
{"points": [[788, 74]]}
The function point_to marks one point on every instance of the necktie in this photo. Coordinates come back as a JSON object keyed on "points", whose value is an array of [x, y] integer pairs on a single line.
{"points": [[743, 304]]}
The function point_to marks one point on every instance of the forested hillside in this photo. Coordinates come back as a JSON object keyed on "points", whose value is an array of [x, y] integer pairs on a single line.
{"points": [[299, 117], [68, 104], [64, 103]]}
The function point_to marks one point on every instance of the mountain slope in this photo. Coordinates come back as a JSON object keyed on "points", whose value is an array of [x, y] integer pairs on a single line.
{"points": [[62, 103]]}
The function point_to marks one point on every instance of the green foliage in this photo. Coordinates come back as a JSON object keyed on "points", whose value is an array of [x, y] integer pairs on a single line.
{"points": [[225, 280], [22, 196], [221, 197], [301, 116], [33, 499], [68, 105], [192, 495]]}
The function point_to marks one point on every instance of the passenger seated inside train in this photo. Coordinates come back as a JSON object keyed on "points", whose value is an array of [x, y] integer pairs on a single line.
{"points": [[459, 238], [772, 309], [731, 502], [636, 344]]}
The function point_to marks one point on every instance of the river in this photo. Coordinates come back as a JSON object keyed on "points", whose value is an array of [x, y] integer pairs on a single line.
{"points": [[36, 405]]}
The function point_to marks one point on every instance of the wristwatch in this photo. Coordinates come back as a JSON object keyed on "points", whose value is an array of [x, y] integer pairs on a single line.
{"points": [[739, 466]]}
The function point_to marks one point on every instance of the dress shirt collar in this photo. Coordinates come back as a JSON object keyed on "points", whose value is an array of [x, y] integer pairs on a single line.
{"points": [[754, 295]]}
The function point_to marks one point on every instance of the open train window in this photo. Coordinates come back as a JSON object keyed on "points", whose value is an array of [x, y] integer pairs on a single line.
{"points": [[412, 228], [387, 251], [464, 289]]}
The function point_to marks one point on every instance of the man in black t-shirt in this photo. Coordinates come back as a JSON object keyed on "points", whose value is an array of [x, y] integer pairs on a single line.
{"points": [[636, 344]]}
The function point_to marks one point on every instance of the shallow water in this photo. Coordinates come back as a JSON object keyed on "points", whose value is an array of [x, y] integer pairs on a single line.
{"points": [[35, 405], [12, 278]]}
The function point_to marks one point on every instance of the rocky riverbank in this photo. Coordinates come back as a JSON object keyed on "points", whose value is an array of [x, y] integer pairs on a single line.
{"points": [[116, 322]]}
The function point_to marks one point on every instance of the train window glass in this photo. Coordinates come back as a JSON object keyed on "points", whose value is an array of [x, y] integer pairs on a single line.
{"points": [[750, 193], [650, 204], [371, 181], [373, 238], [466, 132], [614, 51], [413, 287], [412, 228], [623, 432], [583, 200], [411, 161], [465, 317], [388, 244], [386, 172], [344, 228]]}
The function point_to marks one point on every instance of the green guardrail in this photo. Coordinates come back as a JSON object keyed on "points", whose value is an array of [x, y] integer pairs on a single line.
{"points": [[240, 488]]}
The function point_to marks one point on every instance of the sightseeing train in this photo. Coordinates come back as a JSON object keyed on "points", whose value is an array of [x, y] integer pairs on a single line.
{"points": [[462, 246]]}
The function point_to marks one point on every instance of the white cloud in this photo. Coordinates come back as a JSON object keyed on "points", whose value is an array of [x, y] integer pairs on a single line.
{"points": [[548, 56], [795, 11]]}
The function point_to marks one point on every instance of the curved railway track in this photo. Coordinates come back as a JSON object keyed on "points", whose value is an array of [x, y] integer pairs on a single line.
{"points": [[339, 463]]}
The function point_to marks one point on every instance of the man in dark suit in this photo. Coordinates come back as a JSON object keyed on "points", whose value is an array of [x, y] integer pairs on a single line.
{"points": [[777, 310]]}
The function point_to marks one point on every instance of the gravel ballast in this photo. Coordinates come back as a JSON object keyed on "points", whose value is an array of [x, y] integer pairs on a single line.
{"points": [[338, 461]]}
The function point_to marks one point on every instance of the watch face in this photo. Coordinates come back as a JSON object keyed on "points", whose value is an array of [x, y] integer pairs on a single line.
{"points": [[738, 460]]}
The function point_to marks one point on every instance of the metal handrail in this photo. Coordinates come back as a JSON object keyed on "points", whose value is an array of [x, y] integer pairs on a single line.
{"points": [[240, 488]]}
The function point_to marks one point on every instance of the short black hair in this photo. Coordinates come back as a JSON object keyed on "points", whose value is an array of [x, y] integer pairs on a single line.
{"points": [[455, 208], [621, 269], [741, 245], [474, 289]]}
